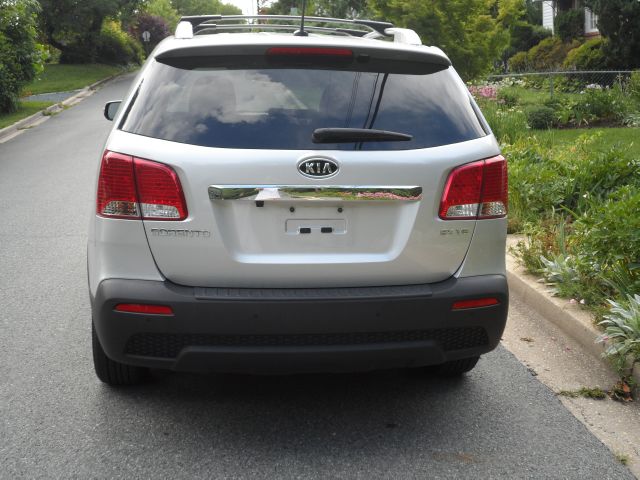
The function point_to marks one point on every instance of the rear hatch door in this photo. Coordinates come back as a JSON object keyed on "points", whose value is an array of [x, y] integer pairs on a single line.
{"points": [[267, 206]]}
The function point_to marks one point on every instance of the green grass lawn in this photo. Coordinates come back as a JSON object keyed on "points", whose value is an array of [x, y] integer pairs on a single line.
{"points": [[628, 137], [25, 109], [62, 78]]}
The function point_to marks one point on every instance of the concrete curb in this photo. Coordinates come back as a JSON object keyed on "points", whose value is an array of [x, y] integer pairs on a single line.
{"points": [[570, 318], [57, 107]]}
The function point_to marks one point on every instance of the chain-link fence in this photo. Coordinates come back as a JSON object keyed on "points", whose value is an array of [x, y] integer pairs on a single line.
{"points": [[565, 81]]}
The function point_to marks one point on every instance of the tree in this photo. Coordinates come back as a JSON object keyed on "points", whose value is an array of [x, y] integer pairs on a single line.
{"points": [[155, 25], [464, 29], [514, 19], [204, 7], [163, 9], [534, 12], [619, 22], [20, 55], [323, 8], [74, 26]]}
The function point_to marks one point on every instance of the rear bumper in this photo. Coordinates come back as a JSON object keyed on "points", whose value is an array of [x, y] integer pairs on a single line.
{"points": [[299, 330]]}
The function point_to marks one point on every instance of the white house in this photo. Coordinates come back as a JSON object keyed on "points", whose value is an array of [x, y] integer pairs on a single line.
{"points": [[551, 7]]}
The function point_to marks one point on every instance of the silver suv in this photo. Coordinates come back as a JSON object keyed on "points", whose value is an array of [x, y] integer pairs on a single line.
{"points": [[277, 197]]}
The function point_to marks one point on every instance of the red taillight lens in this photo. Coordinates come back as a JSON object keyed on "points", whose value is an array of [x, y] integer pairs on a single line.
{"points": [[134, 188], [144, 308], [305, 51], [495, 191], [476, 190], [160, 192], [475, 303], [116, 187]]}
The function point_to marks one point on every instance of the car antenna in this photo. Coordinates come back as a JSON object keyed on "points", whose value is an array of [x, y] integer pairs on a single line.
{"points": [[301, 32]]}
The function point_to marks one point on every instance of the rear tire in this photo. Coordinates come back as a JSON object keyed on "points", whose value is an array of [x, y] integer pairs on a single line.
{"points": [[112, 372], [455, 368]]}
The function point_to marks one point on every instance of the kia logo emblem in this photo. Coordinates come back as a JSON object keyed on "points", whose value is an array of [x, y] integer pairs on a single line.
{"points": [[318, 167]]}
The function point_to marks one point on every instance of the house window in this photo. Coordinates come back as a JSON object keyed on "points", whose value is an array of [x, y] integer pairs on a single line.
{"points": [[590, 21]]}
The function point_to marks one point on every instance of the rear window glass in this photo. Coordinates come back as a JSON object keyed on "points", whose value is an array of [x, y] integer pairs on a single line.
{"points": [[279, 108]]}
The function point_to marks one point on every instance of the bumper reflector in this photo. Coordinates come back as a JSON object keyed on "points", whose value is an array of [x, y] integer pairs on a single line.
{"points": [[143, 308], [475, 303]]}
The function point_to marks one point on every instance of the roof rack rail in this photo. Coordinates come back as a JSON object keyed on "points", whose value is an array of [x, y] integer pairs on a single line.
{"points": [[214, 28], [200, 22]]}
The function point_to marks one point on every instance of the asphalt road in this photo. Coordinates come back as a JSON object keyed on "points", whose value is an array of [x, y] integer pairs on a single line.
{"points": [[58, 421]]}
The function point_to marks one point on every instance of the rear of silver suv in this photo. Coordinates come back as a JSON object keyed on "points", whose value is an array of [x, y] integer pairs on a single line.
{"points": [[277, 203]]}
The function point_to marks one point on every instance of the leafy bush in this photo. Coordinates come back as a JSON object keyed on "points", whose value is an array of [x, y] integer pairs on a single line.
{"points": [[508, 98], [569, 24], [550, 53], [540, 117], [526, 35], [519, 62], [20, 55], [603, 104], [116, 47], [111, 45], [595, 105], [609, 230], [588, 56]]}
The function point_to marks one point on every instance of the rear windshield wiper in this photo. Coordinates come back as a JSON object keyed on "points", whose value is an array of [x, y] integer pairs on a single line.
{"points": [[349, 135]]}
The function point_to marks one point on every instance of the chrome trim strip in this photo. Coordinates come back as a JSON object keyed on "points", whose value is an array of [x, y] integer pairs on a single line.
{"points": [[315, 193]]}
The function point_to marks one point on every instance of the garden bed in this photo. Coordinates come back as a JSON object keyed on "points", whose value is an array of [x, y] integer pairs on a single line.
{"points": [[575, 196]]}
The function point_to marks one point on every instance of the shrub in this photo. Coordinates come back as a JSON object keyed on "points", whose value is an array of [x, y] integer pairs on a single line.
{"points": [[588, 56], [569, 24], [519, 62], [508, 98], [550, 53], [525, 35], [116, 47], [540, 117], [595, 105], [602, 104], [20, 55], [610, 229], [111, 45]]}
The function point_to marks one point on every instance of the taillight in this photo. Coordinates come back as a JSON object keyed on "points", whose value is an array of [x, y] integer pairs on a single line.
{"points": [[476, 190], [133, 188], [159, 190], [116, 187]]}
